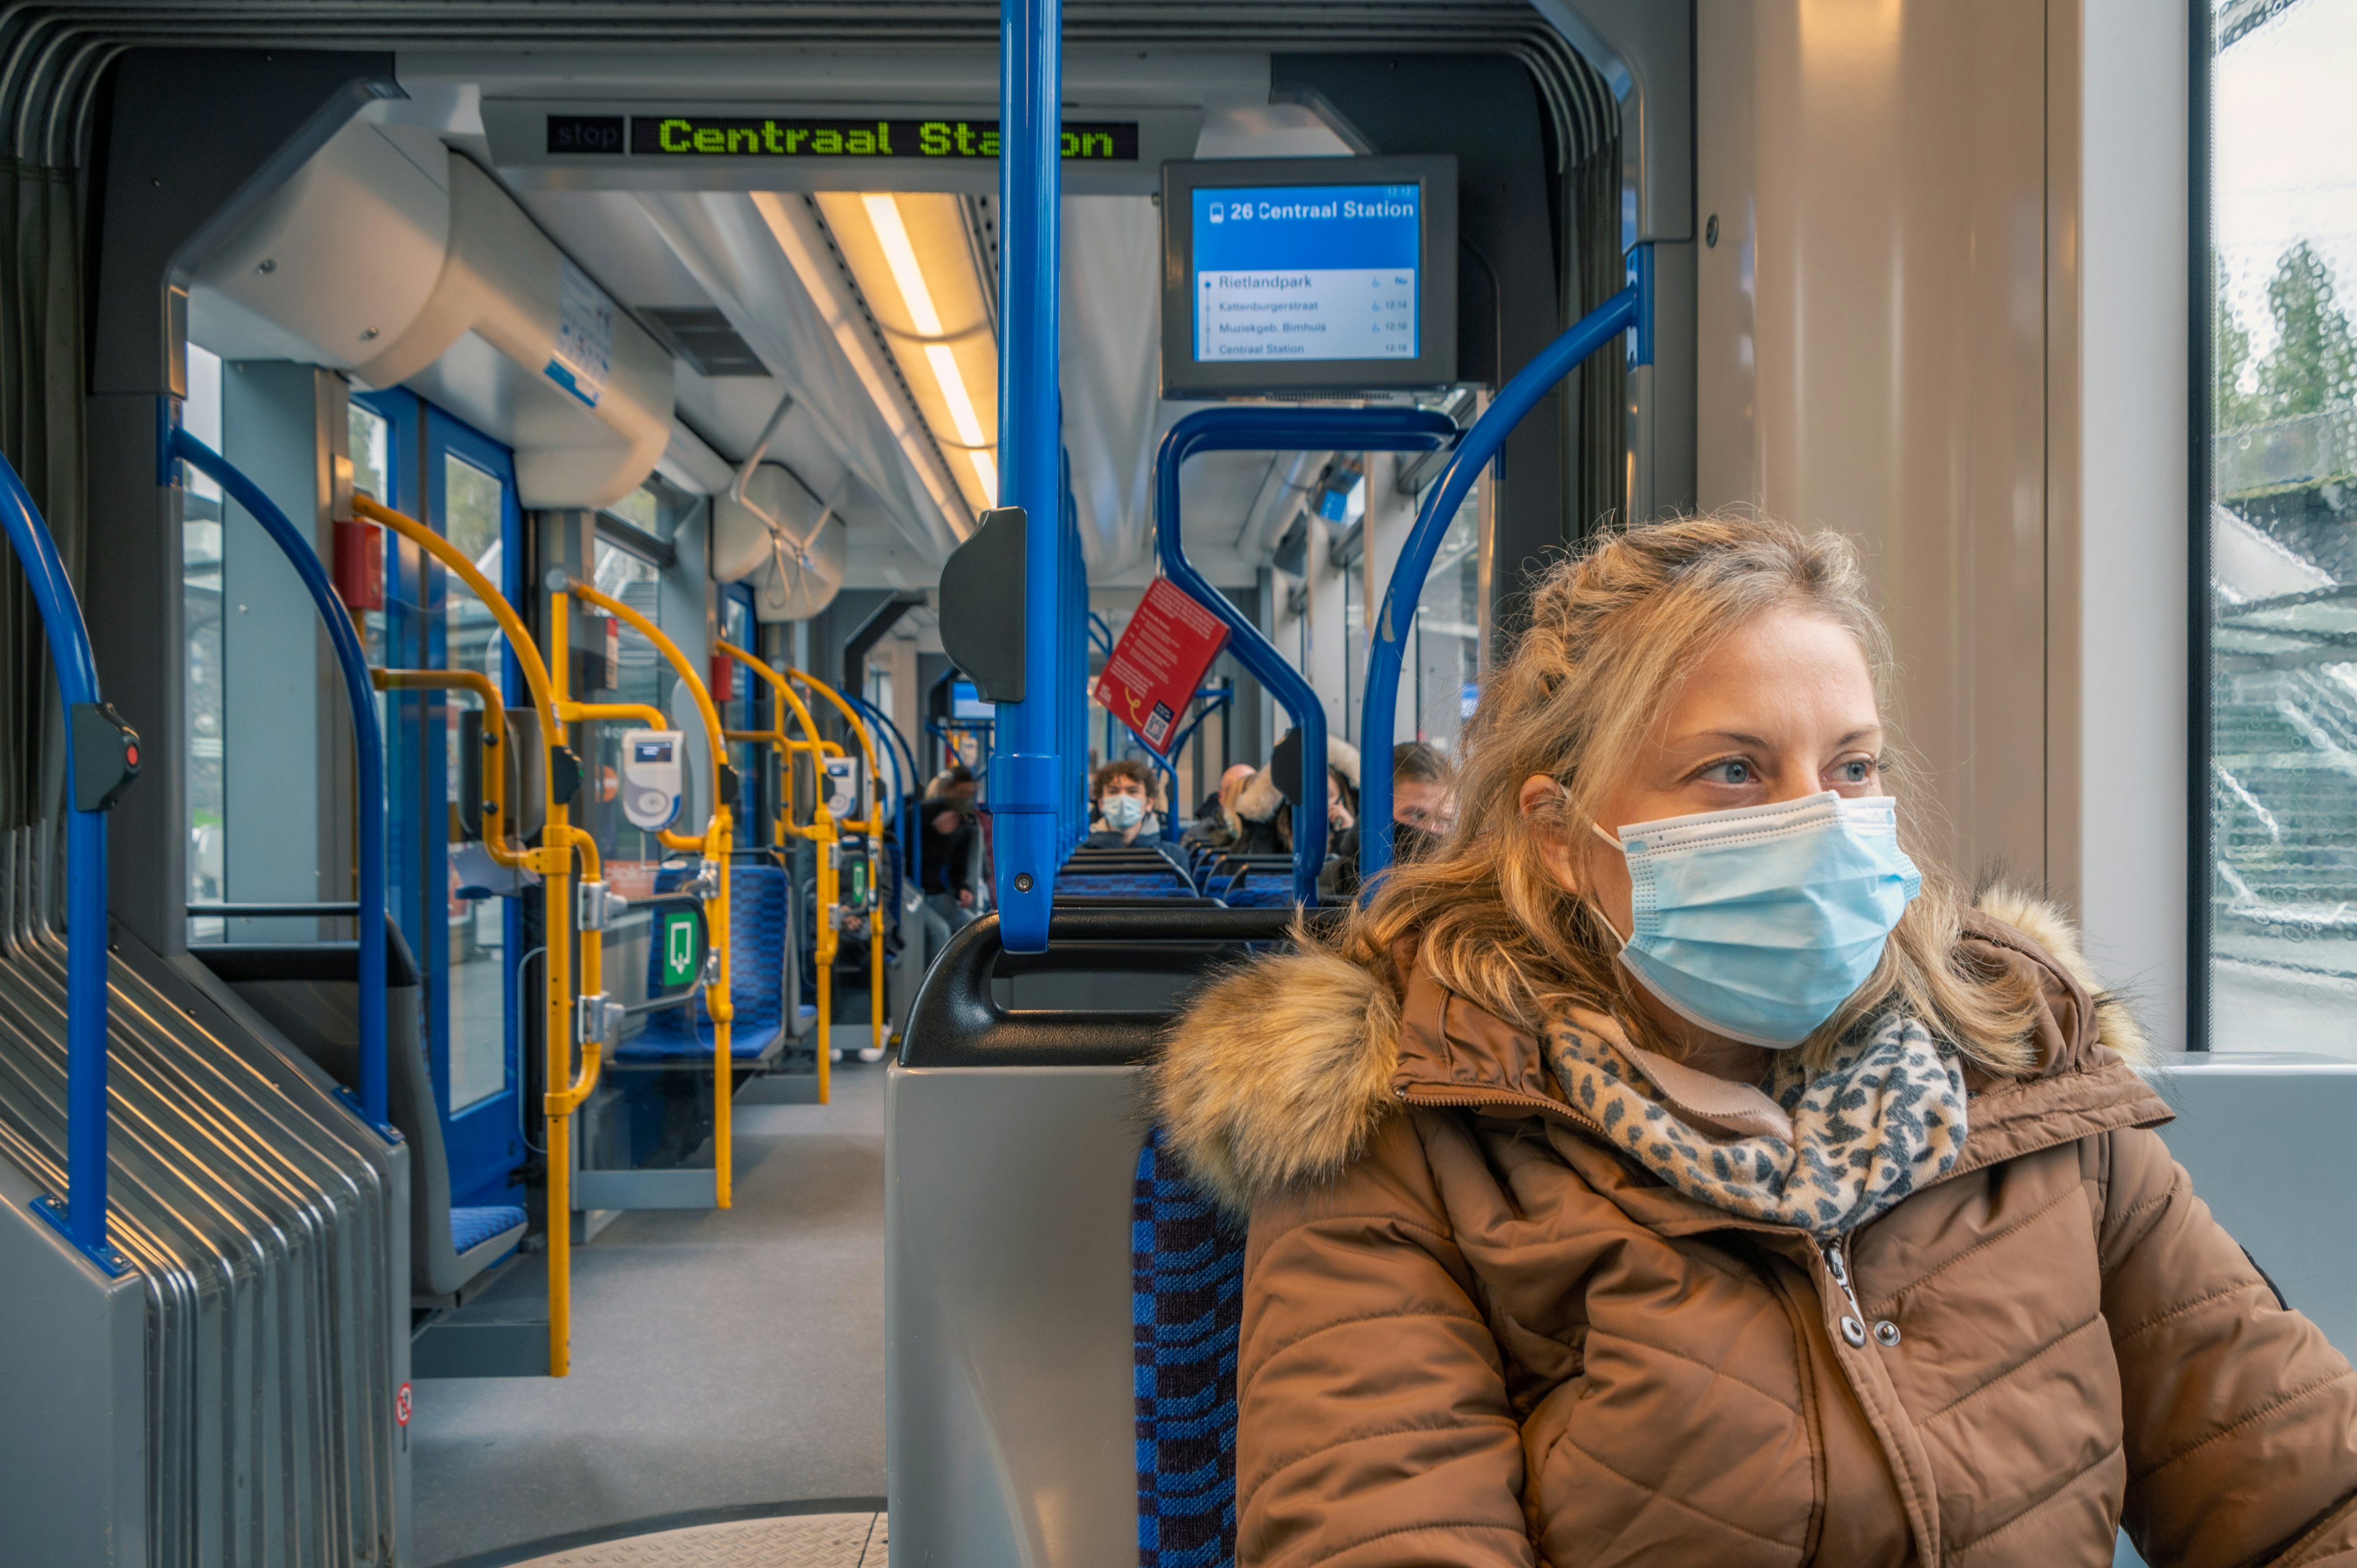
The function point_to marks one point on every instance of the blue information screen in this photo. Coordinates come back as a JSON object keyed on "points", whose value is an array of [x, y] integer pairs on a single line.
{"points": [[1306, 271]]}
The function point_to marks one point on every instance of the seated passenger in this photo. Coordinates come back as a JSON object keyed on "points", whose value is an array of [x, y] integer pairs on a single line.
{"points": [[1216, 823], [1265, 805], [1121, 793], [1675, 1168], [1424, 798], [1423, 808]]}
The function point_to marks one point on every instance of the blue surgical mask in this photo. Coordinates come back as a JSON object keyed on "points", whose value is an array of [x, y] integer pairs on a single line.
{"points": [[1759, 923], [1123, 813]]}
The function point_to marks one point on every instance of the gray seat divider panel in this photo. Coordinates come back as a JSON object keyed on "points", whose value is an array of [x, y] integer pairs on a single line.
{"points": [[1009, 1419], [1011, 1142]]}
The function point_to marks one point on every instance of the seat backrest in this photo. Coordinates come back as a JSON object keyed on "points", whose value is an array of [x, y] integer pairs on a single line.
{"points": [[2264, 1135], [1011, 1158], [1186, 1311], [757, 902]]}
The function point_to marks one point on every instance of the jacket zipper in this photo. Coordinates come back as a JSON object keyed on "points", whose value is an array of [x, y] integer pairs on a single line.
{"points": [[1852, 1324]]}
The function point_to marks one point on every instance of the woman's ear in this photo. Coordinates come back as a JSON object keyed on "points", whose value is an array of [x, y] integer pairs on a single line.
{"points": [[1543, 802]]}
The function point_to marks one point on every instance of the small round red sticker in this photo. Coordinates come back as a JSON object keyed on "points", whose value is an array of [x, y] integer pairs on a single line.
{"points": [[401, 1406]]}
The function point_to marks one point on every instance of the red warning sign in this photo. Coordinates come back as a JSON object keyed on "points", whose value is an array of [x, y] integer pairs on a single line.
{"points": [[401, 1406], [1159, 662]]}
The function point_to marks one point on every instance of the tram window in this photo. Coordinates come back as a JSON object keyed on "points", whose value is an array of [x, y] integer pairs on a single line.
{"points": [[1445, 657], [2283, 696], [473, 510], [200, 595]]}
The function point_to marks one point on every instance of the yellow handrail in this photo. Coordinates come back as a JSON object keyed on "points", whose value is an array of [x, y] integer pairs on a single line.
{"points": [[504, 850], [581, 712], [554, 860], [718, 1001], [823, 832], [873, 828]]}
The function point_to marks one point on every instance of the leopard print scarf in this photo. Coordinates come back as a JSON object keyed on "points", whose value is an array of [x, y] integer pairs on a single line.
{"points": [[1823, 1153]]}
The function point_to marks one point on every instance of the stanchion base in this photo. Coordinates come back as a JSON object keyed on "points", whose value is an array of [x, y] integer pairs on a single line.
{"points": [[104, 1255]]}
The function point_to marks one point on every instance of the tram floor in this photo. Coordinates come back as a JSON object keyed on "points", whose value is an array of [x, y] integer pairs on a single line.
{"points": [[724, 1364]]}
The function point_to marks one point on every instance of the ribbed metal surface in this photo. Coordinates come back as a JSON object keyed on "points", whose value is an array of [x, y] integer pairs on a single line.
{"points": [[51, 55], [258, 1221], [810, 1541]]}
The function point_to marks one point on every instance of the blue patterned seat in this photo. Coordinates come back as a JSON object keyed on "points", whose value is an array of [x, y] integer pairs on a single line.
{"points": [[1187, 1281], [757, 958], [470, 1228], [1098, 884]]}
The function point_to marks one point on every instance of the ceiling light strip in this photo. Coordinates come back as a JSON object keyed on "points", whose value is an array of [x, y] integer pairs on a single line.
{"points": [[900, 255]]}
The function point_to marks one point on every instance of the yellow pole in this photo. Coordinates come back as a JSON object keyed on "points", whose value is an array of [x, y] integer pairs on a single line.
{"points": [[553, 862], [504, 850], [873, 828], [718, 829], [823, 833]]}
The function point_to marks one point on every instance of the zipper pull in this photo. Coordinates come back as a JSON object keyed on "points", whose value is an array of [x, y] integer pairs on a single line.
{"points": [[1853, 1322]]}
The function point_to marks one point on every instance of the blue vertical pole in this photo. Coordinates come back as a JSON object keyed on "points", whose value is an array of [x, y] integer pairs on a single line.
{"points": [[1028, 810], [86, 1000]]}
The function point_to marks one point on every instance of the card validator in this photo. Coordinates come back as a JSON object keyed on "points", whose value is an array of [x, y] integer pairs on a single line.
{"points": [[842, 775], [652, 777]]}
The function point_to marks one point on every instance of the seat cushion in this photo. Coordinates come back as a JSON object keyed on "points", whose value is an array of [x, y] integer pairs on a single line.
{"points": [[470, 1228]]}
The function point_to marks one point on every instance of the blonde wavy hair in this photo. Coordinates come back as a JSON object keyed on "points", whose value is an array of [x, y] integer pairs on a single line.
{"points": [[1612, 635]]}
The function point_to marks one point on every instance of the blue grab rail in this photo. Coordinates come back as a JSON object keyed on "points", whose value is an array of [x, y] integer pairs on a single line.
{"points": [[1280, 430], [82, 1214], [180, 447], [1031, 808], [1631, 307], [904, 779]]}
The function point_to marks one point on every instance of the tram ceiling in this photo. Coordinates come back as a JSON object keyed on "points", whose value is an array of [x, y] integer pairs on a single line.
{"points": [[706, 218]]}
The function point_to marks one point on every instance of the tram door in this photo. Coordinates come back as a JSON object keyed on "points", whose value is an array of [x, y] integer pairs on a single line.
{"points": [[466, 934]]}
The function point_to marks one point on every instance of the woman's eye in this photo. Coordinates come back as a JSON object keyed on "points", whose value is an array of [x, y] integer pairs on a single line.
{"points": [[1856, 770], [1734, 770]]}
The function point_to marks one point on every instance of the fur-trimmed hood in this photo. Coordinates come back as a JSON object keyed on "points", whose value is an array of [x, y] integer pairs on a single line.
{"points": [[1282, 1072], [1260, 799]]}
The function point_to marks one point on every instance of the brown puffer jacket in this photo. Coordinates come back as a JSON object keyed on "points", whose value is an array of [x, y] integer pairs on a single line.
{"points": [[1473, 1335]]}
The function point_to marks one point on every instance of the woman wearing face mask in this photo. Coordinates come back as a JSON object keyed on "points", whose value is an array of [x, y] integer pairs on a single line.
{"points": [[1673, 1167], [1121, 793]]}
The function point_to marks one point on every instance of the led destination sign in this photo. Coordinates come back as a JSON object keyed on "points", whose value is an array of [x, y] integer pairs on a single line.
{"points": [[1306, 273], [788, 136]]}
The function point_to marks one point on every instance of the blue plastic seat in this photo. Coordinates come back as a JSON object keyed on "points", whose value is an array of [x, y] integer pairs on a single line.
{"points": [[756, 958]]}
